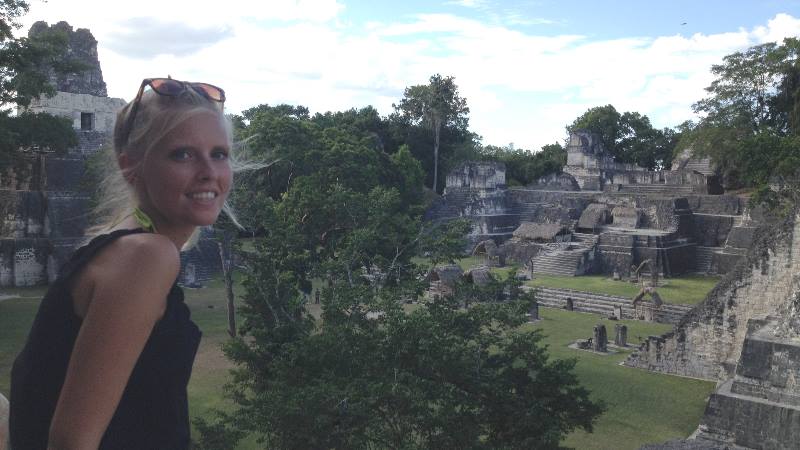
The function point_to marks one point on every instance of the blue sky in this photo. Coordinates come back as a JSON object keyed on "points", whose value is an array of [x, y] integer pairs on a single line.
{"points": [[526, 68]]}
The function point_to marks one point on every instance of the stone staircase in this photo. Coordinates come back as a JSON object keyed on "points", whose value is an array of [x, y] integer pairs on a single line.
{"points": [[587, 239], [700, 165], [528, 212], [566, 262], [558, 262], [664, 189], [603, 304], [703, 258], [449, 205]]}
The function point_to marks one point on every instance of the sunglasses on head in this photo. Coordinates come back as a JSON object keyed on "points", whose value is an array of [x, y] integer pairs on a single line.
{"points": [[172, 88]]}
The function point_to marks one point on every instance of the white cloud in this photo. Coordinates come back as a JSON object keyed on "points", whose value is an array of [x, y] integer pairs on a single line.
{"points": [[778, 28], [521, 87], [467, 3]]}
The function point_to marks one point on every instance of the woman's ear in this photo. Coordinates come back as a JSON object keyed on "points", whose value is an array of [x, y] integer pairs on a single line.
{"points": [[126, 166]]}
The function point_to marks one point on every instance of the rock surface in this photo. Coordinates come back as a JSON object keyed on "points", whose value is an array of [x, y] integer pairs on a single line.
{"points": [[82, 47]]}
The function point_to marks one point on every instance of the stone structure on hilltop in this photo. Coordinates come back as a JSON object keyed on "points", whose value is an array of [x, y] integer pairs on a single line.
{"points": [[600, 216], [45, 211], [595, 170], [82, 48], [80, 97], [44, 208]]}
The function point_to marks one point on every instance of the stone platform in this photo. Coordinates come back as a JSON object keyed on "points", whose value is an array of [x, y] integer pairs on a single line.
{"points": [[760, 406]]}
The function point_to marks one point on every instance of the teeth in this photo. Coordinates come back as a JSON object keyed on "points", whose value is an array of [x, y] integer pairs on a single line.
{"points": [[203, 195]]}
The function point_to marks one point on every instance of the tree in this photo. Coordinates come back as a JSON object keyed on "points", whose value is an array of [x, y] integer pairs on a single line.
{"points": [[22, 78], [629, 137], [750, 116], [368, 373], [437, 105], [524, 167]]}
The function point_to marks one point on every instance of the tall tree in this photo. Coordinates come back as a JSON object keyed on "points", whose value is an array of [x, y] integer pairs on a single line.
{"points": [[437, 105]]}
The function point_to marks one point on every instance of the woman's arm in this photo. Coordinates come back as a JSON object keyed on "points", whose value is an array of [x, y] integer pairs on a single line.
{"points": [[129, 282]]}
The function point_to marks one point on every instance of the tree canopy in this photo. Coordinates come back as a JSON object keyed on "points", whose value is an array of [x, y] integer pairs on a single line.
{"points": [[438, 106], [524, 167], [339, 214], [750, 117], [629, 137]]}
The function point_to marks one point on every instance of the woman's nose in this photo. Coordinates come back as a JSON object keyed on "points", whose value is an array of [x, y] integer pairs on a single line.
{"points": [[206, 169]]}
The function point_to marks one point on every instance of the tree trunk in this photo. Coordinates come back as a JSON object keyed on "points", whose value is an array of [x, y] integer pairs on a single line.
{"points": [[226, 257], [437, 128]]}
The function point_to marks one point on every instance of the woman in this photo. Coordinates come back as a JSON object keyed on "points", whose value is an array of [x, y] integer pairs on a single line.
{"points": [[110, 352]]}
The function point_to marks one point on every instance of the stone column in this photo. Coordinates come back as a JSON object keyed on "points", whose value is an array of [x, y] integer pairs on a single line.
{"points": [[620, 335], [570, 304], [600, 341], [534, 312], [618, 312]]}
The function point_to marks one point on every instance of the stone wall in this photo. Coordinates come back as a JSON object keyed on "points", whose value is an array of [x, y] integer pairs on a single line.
{"points": [[708, 342], [73, 106], [477, 175], [596, 170]]}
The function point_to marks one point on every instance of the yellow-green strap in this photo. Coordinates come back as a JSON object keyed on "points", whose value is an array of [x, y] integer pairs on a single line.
{"points": [[144, 220]]}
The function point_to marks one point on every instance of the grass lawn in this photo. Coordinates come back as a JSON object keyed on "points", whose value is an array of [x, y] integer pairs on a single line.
{"points": [[642, 407], [687, 290]]}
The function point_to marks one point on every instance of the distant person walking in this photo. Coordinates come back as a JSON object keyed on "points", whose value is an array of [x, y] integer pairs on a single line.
{"points": [[110, 352]]}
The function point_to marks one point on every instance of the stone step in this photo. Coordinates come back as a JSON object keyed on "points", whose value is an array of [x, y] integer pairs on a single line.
{"points": [[604, 299], [656, 189], [704, 257], [584, 302]]}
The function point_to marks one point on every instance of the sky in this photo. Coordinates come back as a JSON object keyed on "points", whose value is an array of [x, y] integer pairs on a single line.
{"points": [[527, 68]]}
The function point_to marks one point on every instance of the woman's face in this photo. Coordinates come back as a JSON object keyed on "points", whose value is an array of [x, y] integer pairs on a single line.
{"points": [[184, 181]]}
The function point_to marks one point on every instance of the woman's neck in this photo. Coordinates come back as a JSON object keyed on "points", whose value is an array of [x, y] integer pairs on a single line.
{"points": [[179, 236]]}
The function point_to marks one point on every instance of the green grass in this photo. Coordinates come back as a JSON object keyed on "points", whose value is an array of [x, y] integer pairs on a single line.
{"points": [[687, 290], [642, 407], [16, 316]]}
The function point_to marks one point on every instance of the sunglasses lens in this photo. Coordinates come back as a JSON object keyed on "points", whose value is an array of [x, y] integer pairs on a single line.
{"points": [[210, 91], [166, 86]]}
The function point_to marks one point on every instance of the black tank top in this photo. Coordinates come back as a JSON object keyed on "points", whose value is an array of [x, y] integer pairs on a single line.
{"points": [[153, 411]]}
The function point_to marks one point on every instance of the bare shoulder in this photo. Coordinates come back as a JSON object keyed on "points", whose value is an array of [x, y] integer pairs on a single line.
{"points": [[138, 255], [142, 266]]}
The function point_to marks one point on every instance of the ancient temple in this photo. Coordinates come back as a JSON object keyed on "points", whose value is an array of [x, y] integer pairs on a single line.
{"points": [[595, 170], [44, 207], [618, 215]]}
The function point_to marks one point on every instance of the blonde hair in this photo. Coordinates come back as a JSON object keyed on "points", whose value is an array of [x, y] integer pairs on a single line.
{"points": [[155, 117]]}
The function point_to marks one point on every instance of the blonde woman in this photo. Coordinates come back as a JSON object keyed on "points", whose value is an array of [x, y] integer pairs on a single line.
{"points": [[110, 352]]}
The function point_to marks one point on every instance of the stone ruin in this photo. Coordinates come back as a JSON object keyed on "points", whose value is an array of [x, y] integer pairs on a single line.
{"points": [[45, 213], [595, 170], [620, 335], [44, 208], [600, 342], [745, 334], [442, 280], [599, 216]]}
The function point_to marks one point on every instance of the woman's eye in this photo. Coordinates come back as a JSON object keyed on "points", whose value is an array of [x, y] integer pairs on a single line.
{"points": [[180, 155], [219, 154]]}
